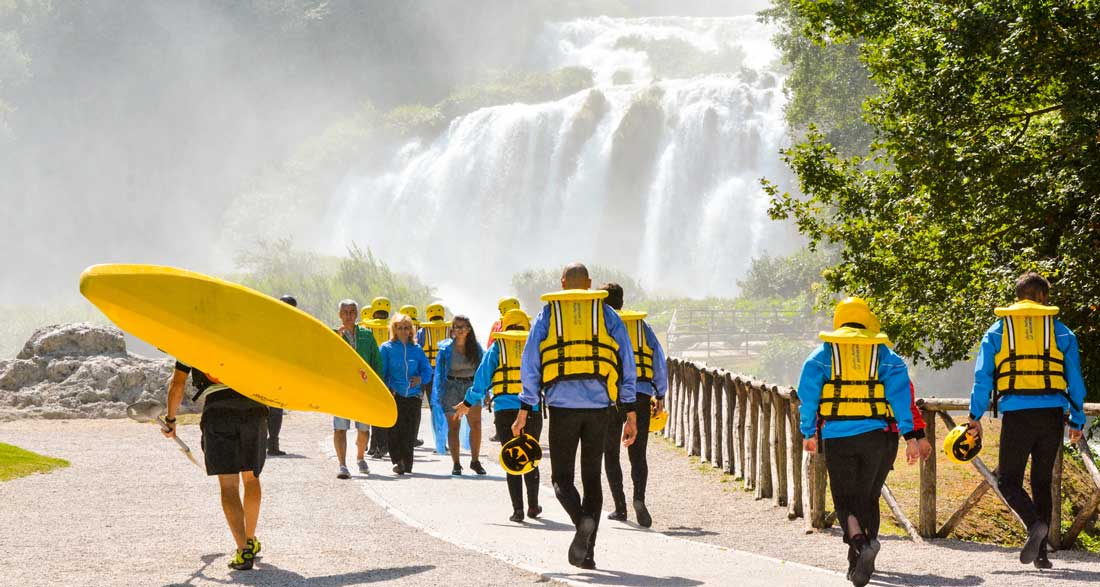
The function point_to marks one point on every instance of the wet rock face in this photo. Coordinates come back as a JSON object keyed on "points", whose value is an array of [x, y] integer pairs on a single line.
{"points": [[79, 371]]}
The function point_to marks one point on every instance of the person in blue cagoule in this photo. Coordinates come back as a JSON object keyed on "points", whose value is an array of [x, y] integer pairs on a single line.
{"points": [[1028, 366], [851, 388]]}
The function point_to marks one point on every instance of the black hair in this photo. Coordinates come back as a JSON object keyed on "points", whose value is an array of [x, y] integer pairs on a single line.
{"points": [[472, 350], [614, 295], [289, 299], [1031, 285]]}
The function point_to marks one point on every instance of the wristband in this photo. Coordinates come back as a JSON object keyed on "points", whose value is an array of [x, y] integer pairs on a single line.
{"points": [[170, 420]]}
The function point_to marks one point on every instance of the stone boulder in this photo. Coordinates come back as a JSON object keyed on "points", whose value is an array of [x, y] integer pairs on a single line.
{"points": [[80, 371]]}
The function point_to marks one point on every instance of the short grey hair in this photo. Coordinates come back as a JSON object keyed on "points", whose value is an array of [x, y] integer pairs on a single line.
{"points": [[348, 302]]}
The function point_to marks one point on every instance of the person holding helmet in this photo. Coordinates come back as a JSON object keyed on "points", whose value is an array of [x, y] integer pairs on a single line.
{"points": [[455, 367], [1028, 366], [275, 415], [376, 318], [851, 388], [499, 374], [578, 355], [430, 334], [652, 373], [503, 304]]}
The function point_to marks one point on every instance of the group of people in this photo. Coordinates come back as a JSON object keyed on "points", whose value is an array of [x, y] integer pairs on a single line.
{"points": [[597, 374], [856, 398]]}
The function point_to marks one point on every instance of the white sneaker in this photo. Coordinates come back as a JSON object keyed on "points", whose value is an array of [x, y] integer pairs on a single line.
{"points": [[363, 468], [343, 474]]}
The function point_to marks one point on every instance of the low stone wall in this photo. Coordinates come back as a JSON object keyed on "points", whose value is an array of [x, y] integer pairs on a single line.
{"points": [[79, 371]]}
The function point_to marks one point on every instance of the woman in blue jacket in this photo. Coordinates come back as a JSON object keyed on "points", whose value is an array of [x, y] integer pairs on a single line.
{"points": [[455, 366], [404, 368]]}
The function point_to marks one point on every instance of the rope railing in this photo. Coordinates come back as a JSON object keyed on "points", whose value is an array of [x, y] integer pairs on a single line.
{"points": [[750, 429]]}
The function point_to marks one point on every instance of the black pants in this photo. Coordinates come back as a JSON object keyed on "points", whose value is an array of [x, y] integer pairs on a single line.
{"points": [[639, 468], [274, 425], [854, 464], [889, 455], [1029, 433], [570, 427], [402, 435], [503, 421], [379, 440]]}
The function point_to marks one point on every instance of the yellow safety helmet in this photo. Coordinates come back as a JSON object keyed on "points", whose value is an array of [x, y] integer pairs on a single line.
{"points": [[855, 310], [960, 446], [507, 303], [380, 304], [657, 421], [409, 310], [434, 311], [520, 455], [515, 317]]}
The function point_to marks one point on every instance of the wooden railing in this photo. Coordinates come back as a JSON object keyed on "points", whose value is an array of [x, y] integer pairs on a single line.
{"points": [[750, 429]]}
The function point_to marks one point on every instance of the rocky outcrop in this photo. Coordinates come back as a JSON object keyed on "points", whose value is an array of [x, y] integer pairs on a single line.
{"points": [[78, 371]]}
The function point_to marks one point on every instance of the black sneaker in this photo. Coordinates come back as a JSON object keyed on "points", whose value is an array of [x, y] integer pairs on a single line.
{"points": [[1036, 534], [457, 469], [476, 466], [865, 564], [517, 516], [588, 563], [1041, 561], [644, 519], [534, 511], [275, 452], [242, 560], [618, 516], [253, 544], [578, 549], [398, 470], [419, 442]]}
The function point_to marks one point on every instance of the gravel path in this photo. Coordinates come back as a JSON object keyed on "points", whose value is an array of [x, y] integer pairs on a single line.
{"points": [[132, 511]]}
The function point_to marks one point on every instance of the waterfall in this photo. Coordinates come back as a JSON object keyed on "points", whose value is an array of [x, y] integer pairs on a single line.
{"points": [[650, 173]]}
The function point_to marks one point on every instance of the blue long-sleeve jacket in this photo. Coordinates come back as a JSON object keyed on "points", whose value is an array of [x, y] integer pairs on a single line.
{"points": [[659, 386], [576, 393], [985, 366], [483, 382], [816, 371], [443, 367], [401, 362]]}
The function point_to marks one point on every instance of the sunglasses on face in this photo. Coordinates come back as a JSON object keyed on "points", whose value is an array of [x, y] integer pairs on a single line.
{"points": [[460, 328]]}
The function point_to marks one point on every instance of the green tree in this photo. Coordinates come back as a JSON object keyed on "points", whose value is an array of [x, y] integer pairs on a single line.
{"points": [[986, 163]]}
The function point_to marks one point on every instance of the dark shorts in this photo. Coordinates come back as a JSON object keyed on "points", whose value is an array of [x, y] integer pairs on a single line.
{"points": [[234, 437]]}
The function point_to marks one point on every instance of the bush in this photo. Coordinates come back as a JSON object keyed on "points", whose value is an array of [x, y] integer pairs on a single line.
{"points": [[781, 360]]}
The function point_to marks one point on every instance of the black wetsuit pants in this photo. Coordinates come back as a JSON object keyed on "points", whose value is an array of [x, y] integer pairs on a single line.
{"points": [[639, 467], [570, 428], [855, 465], [1037, 434], [889, 455], [274, 426], [503, 421], [402, 435]]}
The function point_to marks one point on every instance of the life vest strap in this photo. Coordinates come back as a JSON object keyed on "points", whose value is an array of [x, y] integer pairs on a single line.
{"points": [[561, 344], [889, 419]]}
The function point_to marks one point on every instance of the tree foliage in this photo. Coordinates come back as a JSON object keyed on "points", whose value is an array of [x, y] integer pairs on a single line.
{"points": [[986, 163], [786, 277]]}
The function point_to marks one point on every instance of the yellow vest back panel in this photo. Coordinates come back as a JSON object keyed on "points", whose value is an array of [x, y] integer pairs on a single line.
{"points": [[506, 376], [435, 332], [578, 345], [854, 391], [1029, 361], [380, 328], [643, 353]]}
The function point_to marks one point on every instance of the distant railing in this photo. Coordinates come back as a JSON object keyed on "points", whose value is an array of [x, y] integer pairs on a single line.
{"points": [[750, 429], [704, 329]]}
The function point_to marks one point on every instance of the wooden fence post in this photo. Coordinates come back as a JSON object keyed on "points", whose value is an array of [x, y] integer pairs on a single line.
{"points": [[780, 410], [705, 409], [794, 463], [670, 401], [694, 380], [815, 483], [1090, 507], [729, 436], [740, 440], [752, 422], [764, 485], [716, 411], [926, 519]]}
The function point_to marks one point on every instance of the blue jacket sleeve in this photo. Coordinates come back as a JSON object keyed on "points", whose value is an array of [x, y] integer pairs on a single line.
{"points": [[660, 363], [895, 379], [420, 337], [384, 356], [442, 363], [424, 366], [530, 370], [815, 372], [629, 379], [483, 379], [1067, 343], [983, 370]]}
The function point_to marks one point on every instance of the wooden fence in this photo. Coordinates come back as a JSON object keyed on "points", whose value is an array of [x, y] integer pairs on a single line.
{"points": [[749, 429]]}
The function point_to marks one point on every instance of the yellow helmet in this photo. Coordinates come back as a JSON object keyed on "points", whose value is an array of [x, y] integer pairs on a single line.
{"points": [[409, 310], [364, 315], [434, 311], [960, 446], [855, 310], [507, 303], [657, 421], [380, 304], [515, 317], [520, 455]]}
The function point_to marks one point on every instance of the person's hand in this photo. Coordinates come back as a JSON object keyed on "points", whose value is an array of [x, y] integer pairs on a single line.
{"points": [[630, 429], [660, 405], [975, 428], [521, 421], [1075, 435], [809, 445], [912, 451], [414, 381], [925, 449], [461, 409], [168, 429]]}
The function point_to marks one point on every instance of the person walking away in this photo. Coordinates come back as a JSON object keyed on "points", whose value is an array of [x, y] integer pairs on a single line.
{"points": [[1029, 367], [234, 439], [376, 317], [503, 305], [404, 368], [851, 388], [274, 414], [579, 356], [499, 374], [458, 359]]}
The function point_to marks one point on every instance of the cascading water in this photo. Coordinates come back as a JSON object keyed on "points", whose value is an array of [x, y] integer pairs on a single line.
{"points": [[646, 172]]}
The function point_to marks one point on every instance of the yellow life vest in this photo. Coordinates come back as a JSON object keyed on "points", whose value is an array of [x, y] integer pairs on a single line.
{"points": [[578, 345], [1029, 362], [435, 332], [379, 327], [854, 390], [643, 353], [506, 376]]}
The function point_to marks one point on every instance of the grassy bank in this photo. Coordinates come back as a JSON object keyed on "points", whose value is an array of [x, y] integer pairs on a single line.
{"points": [[16, 462]]}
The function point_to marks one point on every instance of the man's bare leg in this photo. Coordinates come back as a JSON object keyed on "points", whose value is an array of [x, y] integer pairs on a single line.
{"points": [[340, 441], [232, 507], [360, 445], [252, 495]]}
